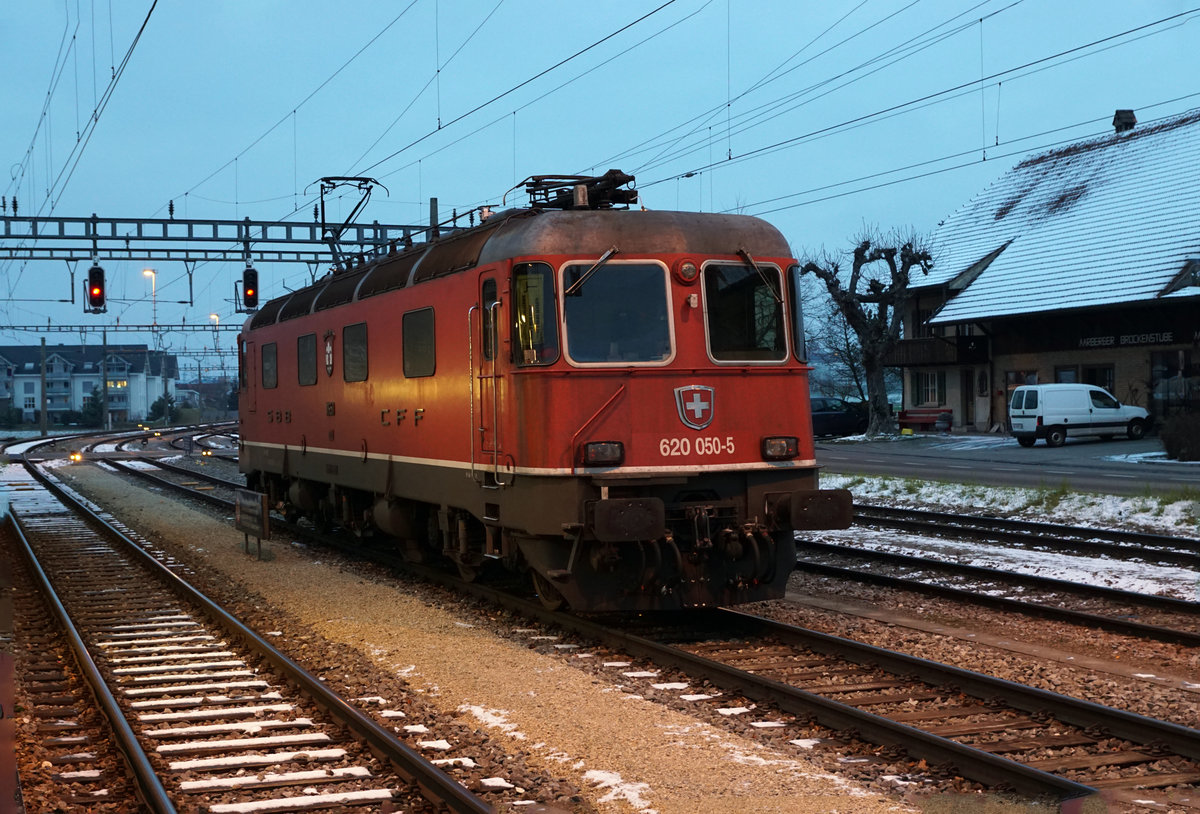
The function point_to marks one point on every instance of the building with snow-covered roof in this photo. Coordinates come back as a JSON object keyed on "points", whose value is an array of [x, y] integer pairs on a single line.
{"points": [[1080, 264]]}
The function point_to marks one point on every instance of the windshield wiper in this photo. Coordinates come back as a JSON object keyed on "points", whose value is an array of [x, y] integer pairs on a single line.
{"points": [[749, 261], [578, 284]]}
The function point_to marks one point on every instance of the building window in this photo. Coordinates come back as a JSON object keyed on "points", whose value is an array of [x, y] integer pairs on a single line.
{"points": [[928, 388], [28, 387], [1100, 376], [30, 403], [419, 356], [923, 331], [1174, 382], [270, 366], [306, 359], [354, 352], [1066, 375]]}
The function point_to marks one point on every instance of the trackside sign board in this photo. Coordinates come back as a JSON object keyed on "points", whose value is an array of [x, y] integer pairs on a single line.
{"points": [[250, 514]]}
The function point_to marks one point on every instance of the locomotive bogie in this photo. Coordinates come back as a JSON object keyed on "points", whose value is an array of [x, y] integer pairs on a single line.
{"points": [[609, 400]]}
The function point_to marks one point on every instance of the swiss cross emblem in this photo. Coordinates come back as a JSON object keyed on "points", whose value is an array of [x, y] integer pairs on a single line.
{"points": [[329, 354], [695, 405]]}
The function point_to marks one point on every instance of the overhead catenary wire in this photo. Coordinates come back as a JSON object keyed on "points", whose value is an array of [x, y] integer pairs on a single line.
{"points": [[924, 98], [1041, 147]]}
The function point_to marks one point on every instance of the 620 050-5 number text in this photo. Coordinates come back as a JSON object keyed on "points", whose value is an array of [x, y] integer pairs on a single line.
{"points": [[673, 447]]}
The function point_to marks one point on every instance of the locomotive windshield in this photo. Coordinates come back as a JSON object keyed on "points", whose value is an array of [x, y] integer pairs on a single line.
{"points": [[745, 313], [618, 314]]}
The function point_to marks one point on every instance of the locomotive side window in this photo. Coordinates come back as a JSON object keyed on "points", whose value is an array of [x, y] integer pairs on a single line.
{"points": [[270, 369], [354, 352], [535, 317], [617, 314], [306, 359], [796, 298], [489, 319], [744, 313], [419, 357]]}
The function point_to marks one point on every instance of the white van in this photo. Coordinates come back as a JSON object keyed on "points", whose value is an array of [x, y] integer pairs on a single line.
{"points": [[1056, 411]]}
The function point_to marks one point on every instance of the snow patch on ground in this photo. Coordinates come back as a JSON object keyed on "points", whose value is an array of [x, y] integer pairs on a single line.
{"points": [[1180, 517], [494, 719], [1158, 515], [630, 793]]}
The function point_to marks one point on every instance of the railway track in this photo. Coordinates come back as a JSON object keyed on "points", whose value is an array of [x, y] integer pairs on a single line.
{"points": [[206, 713], [204, 486], [949, 717], [1145, 616], [1125, 545], [993, 731], [68, 742], [1074, 740]]}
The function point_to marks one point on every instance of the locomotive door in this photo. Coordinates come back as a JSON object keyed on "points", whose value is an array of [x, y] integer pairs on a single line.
{"points": [[485, 399], [248, 372]]}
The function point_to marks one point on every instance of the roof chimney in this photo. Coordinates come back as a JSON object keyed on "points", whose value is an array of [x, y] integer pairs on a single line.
{"points": [[1124, 120]]}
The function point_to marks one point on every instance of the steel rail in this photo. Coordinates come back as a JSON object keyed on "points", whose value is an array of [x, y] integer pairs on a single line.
{"points": [[215, 480], [984, 767], [979, 572], [1076, 711], [212, 500], [407, 762], [1120, 544], [145, 778], [1110, 623]]}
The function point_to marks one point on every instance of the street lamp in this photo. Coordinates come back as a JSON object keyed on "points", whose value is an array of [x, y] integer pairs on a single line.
{"points": [[153, 275], [216, 318]]}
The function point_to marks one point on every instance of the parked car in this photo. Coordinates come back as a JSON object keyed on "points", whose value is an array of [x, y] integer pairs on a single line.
{"points": [[1060, 411], [834, 416]]}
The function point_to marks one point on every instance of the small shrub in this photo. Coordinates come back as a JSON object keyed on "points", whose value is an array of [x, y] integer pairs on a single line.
{"points": [[1181, 437]]}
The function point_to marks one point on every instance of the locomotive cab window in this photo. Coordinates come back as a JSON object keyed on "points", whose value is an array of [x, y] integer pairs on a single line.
{"points": [[617, 313], [419, 357], [354, 352], [744, 313], [306, 359], [534, 315], [270, 367]]}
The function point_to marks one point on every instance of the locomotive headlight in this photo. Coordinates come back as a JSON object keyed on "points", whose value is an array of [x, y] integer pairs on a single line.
{"points": [[603, 453], [780, 448], [686, 271]]}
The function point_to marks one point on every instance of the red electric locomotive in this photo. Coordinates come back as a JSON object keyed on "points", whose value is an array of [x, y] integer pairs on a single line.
{"points": [[613, 400]]}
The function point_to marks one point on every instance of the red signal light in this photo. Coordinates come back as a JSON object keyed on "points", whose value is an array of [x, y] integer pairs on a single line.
{"points": [[95, 288], [250, 288]]}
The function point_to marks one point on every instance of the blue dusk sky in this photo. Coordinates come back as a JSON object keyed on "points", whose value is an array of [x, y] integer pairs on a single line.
{"points": [[823, 118]]}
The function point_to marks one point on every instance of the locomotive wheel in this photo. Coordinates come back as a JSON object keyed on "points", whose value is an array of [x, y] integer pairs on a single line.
{"points": [[469, 573], [550, 597]]}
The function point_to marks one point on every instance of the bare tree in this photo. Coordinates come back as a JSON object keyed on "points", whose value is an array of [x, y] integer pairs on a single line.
{"points": [[834, 352], [872, 302]]}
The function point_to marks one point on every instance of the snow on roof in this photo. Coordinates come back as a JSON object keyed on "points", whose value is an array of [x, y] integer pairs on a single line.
{"points": [[1100, 222]]}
